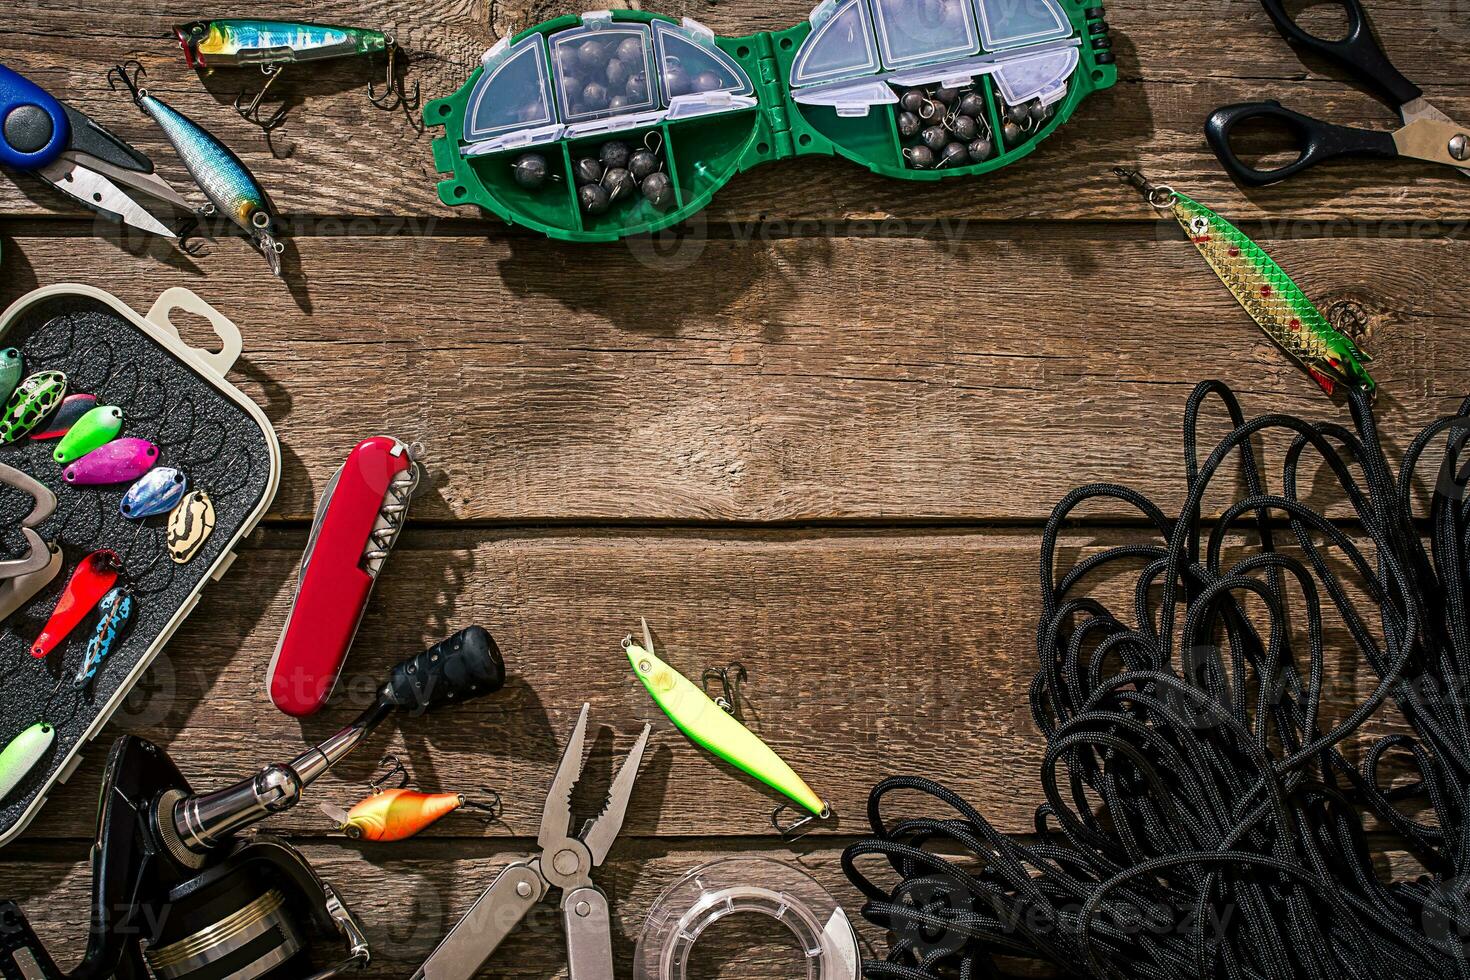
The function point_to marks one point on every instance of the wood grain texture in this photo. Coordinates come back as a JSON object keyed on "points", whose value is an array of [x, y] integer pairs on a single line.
{"points": [[977, 379], [816, 432], [870, 654], [409, 898], [1178, 60]]}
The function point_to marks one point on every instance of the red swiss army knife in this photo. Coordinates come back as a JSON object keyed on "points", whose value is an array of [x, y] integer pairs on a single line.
{"points": [[356, 525]]}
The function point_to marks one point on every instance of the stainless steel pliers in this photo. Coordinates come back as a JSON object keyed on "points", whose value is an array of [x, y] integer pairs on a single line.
{"points": [[566, 863]]}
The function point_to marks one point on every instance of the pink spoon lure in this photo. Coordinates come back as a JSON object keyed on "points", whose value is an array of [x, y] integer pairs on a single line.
{"points": [[120, 461]]}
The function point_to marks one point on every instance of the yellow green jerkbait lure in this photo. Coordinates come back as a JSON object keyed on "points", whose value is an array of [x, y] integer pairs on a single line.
{"points": [[1268, 294], [707, 725]]}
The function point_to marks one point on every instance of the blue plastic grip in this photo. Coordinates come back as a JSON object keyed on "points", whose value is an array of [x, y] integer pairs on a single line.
{"points": [[17, 93]]}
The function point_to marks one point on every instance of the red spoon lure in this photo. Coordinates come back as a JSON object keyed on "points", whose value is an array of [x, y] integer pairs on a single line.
{"points": [[96, 574]]}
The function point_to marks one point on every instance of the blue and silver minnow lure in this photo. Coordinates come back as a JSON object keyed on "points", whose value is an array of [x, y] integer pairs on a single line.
{"points": [[231, 188], [115, 615], [157, 492]]}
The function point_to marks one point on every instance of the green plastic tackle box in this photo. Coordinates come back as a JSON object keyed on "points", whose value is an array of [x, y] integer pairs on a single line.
{"points": [[712, 106]]}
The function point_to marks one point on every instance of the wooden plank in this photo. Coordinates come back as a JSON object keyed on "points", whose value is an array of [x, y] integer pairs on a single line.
{"points": [[870, 654], [410, 897], [1179, 61], [974, 380]]}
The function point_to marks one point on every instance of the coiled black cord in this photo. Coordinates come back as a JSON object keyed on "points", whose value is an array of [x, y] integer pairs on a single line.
{"points": [[1202, 818]]}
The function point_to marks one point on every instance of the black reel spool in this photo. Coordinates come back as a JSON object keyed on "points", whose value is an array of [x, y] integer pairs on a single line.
{"points": [[176, 895]]}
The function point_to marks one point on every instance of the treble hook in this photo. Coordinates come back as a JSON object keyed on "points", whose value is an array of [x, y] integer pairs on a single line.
{"points": [[788, 832], [251, 112], [119, 73], [493, 810], [730, 679], [394, 95], [394, 768]]}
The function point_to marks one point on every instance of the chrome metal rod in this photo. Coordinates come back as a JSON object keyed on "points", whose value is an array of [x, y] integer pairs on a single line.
{"points": [[204, 821]]}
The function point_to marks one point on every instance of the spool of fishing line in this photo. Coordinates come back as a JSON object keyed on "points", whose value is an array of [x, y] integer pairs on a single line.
{"points": [[709, 893], [1209, 799]]}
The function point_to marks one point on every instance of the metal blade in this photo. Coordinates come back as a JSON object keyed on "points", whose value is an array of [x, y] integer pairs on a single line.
{"points": [[316, 523], [100, 194], [556, 819], [1421, 109], [148, 183], [600, 836]]}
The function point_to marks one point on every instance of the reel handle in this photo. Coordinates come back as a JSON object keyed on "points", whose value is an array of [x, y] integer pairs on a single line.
{"points": [[463, 667]]}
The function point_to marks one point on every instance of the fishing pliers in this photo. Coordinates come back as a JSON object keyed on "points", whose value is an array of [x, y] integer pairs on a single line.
{"points": [[40, 552], [565, 863]]}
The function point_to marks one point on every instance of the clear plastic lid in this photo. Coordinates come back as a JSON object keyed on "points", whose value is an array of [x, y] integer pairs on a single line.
{"points": [[513, 93], [841, 44], [1015, 23], [849, 98], [921, 32], [603, 69], [1042, 76], [690, 63], [789, 896]]}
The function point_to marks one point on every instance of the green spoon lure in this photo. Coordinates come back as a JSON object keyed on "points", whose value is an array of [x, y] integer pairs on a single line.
{"points": [[711, 728], [22, 755], [92, 431]]}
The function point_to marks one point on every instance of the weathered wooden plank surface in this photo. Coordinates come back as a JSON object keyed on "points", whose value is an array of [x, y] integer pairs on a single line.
{"points": [[978, 379], [410, 897], [1178, 61], [870, 654]]}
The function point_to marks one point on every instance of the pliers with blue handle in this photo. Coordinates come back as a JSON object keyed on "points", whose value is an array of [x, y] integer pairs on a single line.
{"points": [[42, 135]]}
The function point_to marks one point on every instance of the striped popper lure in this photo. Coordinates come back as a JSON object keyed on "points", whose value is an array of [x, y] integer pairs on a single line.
{"points": [[1269, 295], [708, 725], [213, 43], [273, 44], [231, 189]]}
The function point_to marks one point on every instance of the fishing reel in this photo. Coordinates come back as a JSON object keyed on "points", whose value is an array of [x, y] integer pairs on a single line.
{"points": [[178, 895]]}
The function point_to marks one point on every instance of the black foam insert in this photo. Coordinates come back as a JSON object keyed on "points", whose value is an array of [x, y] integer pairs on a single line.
{"points": [[199, 430]]}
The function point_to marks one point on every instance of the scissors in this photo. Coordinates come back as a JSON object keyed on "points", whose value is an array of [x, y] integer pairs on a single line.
{"points": [[76, 155], [1427, 134]]}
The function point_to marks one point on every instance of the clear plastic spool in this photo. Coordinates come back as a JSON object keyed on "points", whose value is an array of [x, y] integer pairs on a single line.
{"points": [[734, 886]]}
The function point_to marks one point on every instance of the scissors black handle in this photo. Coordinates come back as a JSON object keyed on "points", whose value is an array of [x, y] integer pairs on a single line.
{"points": [[1315, 140], [1359, 52]]}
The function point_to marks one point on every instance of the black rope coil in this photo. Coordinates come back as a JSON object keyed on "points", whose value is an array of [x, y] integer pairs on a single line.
{"points": [[1204, 817]]}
